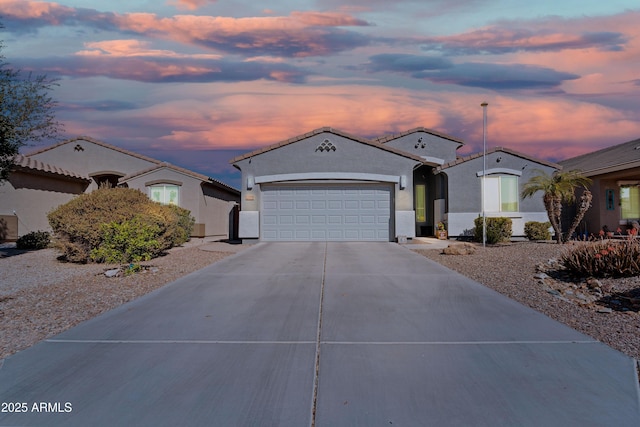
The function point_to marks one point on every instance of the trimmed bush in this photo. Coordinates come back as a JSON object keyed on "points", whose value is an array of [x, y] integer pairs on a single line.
{"points": [[118, 225], [34, 240], [535, 230], [498, 230], [604, 259], [132, 240]]}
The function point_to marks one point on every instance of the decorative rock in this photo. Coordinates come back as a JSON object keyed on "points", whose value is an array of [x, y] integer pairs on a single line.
{"points": [[593, 283], [459, 249], [606, 288], [112, 273], [605, 310]]}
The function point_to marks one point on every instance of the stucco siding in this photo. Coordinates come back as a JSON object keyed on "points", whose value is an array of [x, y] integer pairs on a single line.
{"points": [[426, 145], [327, 158], [465, 191], [305, 156], [30, 197], [91, 159], [211, 208]]}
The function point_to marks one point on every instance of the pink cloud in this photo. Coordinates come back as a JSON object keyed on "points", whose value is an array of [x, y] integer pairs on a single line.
{"points": [[327, 19], [134, 48], [299, 34], [252, 114], [189, 4], [538, 127], [52, 13]]}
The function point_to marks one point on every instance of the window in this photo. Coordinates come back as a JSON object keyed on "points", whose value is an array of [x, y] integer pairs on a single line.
{"points": [[630, 202], [165, 194], [610, 200], [421, 211], [501, 193]]}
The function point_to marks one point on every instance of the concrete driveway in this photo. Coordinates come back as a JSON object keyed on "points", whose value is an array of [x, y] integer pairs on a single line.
{"points": [[337, 334]]}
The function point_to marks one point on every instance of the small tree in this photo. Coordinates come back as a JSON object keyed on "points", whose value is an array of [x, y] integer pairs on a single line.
{"points": [[559, 188], [26, 113]]}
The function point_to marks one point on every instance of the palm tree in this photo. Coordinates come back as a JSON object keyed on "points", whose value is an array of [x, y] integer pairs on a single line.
{"points": [[560, 187]]}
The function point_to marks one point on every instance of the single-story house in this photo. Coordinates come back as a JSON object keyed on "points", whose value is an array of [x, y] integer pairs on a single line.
{"points": [[615, 186], [51, 176], [330, 185]]}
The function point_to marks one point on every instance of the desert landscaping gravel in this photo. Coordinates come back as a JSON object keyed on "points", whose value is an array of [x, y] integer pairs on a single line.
{"points": [[41, 297], [528, 272]]}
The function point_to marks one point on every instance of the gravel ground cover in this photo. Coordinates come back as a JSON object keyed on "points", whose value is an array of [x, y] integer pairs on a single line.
{"points": [[528, 272], [41, 296]]}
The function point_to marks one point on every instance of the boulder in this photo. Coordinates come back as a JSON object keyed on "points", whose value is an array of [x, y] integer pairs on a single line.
{"points": [[462, 248]]}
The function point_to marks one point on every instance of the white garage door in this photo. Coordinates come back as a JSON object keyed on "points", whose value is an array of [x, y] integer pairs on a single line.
{"points": [[349, 212]]}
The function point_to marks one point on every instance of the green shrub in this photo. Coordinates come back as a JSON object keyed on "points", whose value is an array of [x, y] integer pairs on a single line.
{"points": [[34, 240], [537, 230], [603, 259], [183, 225], [498, 229], [118, 225], [132, 240]]}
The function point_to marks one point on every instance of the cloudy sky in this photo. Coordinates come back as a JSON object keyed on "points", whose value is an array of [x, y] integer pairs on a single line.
{"points": [[196, 82]]}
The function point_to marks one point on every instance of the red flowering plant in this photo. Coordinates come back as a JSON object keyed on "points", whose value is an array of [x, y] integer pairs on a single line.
{"points": [[604, 259]]}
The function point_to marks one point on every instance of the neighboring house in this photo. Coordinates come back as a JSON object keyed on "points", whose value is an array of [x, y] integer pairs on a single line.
{"points": [[615, 175], [330, 185], [49, 177]]}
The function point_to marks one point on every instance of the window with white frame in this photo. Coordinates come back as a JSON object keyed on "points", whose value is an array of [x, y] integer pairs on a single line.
{"points": [[166, 194], [501, 193]]}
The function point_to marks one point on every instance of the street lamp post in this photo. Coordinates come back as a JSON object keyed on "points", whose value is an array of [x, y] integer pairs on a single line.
{"points": [[484, 171]]}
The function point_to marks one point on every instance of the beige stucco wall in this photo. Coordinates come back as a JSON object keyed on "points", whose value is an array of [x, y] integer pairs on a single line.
{"points": [[92, 159], [210, 207], [31, 196]]}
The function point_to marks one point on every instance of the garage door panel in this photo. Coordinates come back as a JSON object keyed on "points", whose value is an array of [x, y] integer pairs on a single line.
{"points": [[285, 219], [326, 212], [351, 204], [351, 219], [303, 219], [319, 234], [270, 219], [334, 219], [319, 219], [302, 234], [334, 204], [368, 204], [333, 234], [367, 219], [285, 205]]}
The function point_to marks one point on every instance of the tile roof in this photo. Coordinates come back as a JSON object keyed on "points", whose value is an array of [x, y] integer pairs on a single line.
{"points": [[387, 138], [464, 159], [323, 130], [611, 159], [184, 171], [27, 163]]}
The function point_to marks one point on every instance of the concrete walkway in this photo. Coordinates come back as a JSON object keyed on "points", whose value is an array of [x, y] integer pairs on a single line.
{"points": [[337, 334]]}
